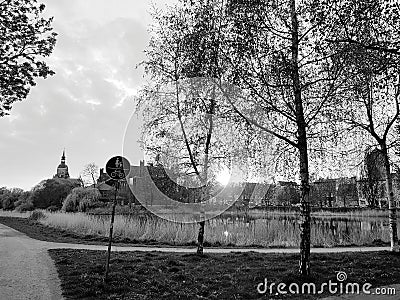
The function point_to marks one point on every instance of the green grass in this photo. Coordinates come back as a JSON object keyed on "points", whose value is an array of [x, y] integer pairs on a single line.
{"points": [[156, 275]]}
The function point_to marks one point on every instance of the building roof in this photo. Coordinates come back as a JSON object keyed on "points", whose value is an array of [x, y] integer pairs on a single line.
{"points": [[104, 187]]}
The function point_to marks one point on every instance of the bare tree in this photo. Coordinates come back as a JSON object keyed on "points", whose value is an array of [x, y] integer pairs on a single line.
{"points": [[90, 173]]}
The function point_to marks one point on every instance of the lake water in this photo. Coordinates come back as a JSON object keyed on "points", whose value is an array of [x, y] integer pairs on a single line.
{"points": [[285, 230], [271, 230]]}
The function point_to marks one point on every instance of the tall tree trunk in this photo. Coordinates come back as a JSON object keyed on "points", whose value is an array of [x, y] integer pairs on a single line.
{"points": [[205, 195], [200, 238], [394, 245], [305, 233]]}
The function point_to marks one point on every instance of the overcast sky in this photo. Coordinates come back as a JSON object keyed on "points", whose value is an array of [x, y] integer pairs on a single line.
{"points": [[86, 106]]}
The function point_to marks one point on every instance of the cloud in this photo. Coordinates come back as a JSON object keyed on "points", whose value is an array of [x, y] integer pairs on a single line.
{"points": [[86, 105]]}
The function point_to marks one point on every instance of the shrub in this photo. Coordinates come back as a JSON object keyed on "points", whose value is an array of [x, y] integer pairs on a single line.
{"points": [[24, 202], [84, 205], [8, 197], [18, 203], [81, 199], [69, 204], [8, 204], [53, 208], [25, 206], [36, 215], [52, 192], [98, 204]]}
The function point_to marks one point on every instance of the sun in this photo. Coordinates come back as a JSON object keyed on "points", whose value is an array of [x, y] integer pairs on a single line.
{"points": [[223, 176]]}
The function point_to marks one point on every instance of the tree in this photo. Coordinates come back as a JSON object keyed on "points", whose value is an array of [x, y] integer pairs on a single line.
{"points": [[288, 81], [24, 202], [90, 172], [283, 71], [9, 198], [369, 32], [81, 199], [349, 21], [323, 192], [371, 177], [185, 117], [26, 37], [347, 191], [52, 192], [287, 194]]}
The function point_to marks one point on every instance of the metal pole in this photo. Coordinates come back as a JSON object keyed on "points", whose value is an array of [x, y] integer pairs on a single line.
{"points": [[111, 232]]}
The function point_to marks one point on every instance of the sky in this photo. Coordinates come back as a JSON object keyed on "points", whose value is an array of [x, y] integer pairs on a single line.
{"points": [[86, 106]]}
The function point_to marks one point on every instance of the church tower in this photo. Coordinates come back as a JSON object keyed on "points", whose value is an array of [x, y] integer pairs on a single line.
{"points": [[62, 169]]}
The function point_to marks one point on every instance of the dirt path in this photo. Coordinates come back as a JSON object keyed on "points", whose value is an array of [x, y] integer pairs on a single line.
{"points": [[27, 271]]}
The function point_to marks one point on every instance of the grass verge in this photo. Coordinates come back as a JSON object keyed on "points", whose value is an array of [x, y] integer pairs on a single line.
{"points": [[157, 275], [38, 231]]}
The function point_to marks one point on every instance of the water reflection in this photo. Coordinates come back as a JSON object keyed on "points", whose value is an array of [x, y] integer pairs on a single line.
{"points": [[262, 231]]}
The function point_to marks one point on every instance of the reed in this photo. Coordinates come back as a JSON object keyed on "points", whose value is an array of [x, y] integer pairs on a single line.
{"points": [[8, 213], [227, 231]]}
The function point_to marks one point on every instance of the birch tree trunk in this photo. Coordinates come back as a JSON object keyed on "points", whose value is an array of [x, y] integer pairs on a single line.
{"points": [[200, 238], [303, 149], [205, 195], [394, 245]]}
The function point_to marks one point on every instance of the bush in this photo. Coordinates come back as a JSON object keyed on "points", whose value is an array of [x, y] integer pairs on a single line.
{"points": [[36, 215], [24, 202], [98, 204], [8, 197], [84, 205], [69, 204], [81, 199], [53, 208], [52, 192], [25, 206], [8, 204]]}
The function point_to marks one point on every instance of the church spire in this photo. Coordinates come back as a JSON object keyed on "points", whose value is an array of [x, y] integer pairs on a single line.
{"points": [[62, 169]]}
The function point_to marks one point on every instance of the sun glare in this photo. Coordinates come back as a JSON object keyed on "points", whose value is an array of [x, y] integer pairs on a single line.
{"points": [[224, 176]]}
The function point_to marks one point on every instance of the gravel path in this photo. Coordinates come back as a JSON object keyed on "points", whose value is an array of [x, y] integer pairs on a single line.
{"points": [[27, 271]]}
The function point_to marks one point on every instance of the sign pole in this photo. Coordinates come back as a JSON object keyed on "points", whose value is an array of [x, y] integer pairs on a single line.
{"points": [[118, 168], [111, 232]]}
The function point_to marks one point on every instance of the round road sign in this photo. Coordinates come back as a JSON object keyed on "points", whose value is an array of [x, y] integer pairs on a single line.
{"points": [[118, 167]]}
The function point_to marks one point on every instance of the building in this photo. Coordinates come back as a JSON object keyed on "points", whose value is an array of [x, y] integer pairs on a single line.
{"points": [[62, 169], [155, 185], [106, 186], [371, 184]]}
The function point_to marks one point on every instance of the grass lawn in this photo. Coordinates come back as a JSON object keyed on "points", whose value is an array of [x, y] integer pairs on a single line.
{"points": [[157, 275]]}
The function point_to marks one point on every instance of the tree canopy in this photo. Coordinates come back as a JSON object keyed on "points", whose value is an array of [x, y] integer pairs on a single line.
{"points": [[25, 39]]}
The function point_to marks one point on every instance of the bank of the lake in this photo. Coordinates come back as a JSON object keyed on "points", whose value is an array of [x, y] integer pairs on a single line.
{"points": [[266, 231]]}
